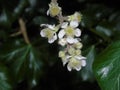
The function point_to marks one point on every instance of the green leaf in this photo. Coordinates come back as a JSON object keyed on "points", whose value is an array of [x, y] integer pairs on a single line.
{"points": [[87, 72], [25, 62], [5, 18], [20, 8], [39, 20], [4, 78], [107, 67], [106, 32]]}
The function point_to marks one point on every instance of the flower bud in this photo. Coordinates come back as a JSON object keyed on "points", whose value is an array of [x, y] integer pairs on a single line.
{"points": [[54, 9]]}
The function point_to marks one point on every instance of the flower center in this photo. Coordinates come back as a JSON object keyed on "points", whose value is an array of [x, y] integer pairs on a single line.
{"points": [[54, 10], [79, 17], [74, 62], [69, 31], [49, 33]]}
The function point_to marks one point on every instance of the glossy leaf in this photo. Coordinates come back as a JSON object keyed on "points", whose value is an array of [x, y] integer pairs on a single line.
{"points": [[25, 62], [5, 18], [87, 72], [107, 67], [4, 79], [20, 8]]}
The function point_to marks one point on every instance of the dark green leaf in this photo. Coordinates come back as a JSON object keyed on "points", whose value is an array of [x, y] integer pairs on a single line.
{"points": [[4, 79], [19, 9], [25, 62], [106, 32], [87, 72], [39, 20], [5, 18], [107, 67]]}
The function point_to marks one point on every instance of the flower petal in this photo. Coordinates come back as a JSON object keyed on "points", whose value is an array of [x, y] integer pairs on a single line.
{"points": [[64, 60], [55, 36], [77, 32], [80, 57], [42, 33], [61, 33], [69, 67], [64, 25], [51, 40], [70, 40], [83, 63], [62, 42], [43, 25], [76, 40], [52, 27], [48, 12], [74, 24], [78, 68]]}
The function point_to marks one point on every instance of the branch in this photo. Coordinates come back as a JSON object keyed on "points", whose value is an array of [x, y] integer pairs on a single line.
{"points": [[23, 30], [16, 34]]}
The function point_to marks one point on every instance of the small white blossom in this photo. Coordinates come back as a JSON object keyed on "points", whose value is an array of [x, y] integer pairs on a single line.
{"points": [[64, 57], [75, 17], [78, 45], [74, 24], [73, 58], [72, 40], [75, 63], [70, 31], [62, 42], [49, 32], [54, 9]]}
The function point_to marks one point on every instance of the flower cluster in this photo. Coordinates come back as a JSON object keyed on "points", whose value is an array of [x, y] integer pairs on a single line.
{"points": [[68, 35]]}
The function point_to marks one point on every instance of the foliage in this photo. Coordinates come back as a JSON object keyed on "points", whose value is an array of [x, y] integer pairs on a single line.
{"points": [[35, 64], [107, 68]]}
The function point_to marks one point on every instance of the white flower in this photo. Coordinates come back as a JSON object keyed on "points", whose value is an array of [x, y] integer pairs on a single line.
{"points": [[74, 24], [62, 42], [75, 17], [76, 63], [64, 57], [54, 9], [78, 45], [72, 40], [49, 32], [73, 58], [70, 31]]}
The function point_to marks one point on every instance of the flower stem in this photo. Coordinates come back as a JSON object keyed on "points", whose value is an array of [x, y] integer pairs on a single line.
{"points": [[23, 30]]}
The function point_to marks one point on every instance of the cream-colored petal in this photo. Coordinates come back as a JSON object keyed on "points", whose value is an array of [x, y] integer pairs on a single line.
{"points": [[65, 59], [74, 24], [51, 40], [77, 32], [70, 40], [61, 33], [52, 27], [80, 57], [43, 25], [55, 36], [42, 33], [64, 62], [64, 25], [83, 63], [78, 68], [48, 12], [69, 67], [62, 42], [76, 40]]}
